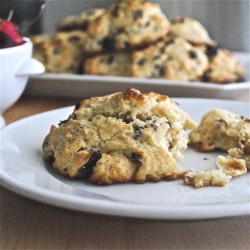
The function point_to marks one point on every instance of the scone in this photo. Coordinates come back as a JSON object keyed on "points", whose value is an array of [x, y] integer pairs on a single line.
{"points": [[60, 52], [220, 129], [189, 29], [174, 59], [111, 64], [80, 22], [119, 138], [224, 67], [126, 25]]}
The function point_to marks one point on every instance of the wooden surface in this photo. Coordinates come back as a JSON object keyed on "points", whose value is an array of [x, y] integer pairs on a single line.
{"points": [[27, 224]]}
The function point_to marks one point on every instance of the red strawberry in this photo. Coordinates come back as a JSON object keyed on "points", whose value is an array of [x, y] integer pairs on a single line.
{"points": [[8, 31]]}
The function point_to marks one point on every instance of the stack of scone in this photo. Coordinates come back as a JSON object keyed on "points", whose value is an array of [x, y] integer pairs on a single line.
{"points": [[134, 38]]}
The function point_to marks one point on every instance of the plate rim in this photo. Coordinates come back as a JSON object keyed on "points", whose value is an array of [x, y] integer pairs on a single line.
{"points": [[137, 80]]}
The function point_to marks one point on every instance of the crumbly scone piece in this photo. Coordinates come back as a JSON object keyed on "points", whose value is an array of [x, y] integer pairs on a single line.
{"points": [[126, 25], [80, 22], [241, 153], [169, 58], [231, 166], [224, 66], [60, 52], [120, 137], [189, 29], [206, 178], [220, 129]]}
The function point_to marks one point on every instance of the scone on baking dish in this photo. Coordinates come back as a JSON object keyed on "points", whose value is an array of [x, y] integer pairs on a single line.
{"points": [[169, 58], [80, 22], [224, 66], [189, 29], [121, 137], [126, 25], [60, 52]]}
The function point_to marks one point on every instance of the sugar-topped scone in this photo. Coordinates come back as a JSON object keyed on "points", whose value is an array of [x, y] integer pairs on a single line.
{"points": [[220, 129], [120, 137], [189, 29]]}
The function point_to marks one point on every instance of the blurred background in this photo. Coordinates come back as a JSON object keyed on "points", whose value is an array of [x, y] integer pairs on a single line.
{"points": [[227, 21]]}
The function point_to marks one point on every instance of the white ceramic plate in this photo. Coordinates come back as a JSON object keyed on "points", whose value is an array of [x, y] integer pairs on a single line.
{"points": [[24, 171], [83, 86]]}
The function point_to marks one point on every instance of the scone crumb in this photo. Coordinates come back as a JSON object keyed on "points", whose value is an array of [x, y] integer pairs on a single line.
{"points": [[177, 174], [206, 178], [231, 166]]}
